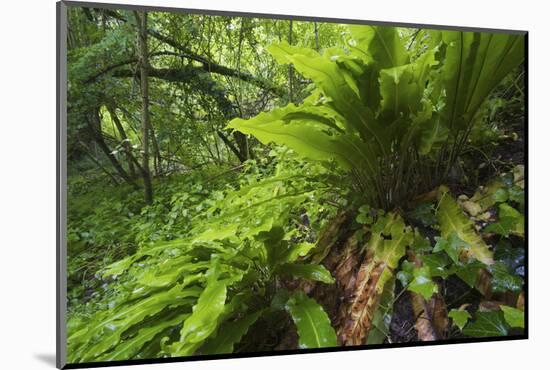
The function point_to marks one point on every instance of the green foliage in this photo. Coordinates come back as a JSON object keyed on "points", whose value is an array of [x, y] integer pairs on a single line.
{"points": [[424, 213], [511, 221], [313, 324], [452, 245], [375, 108], [452, 220], [383, 315], [417, 279], [310, 272], [229, 334], [248, 242], [422, 283], [512, 257], [503, 280], [375, 119], [206, 312], [460, 317], [513, 316], [487, 324]]}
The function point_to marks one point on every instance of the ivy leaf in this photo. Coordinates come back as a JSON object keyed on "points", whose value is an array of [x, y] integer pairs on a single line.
{"points": [[423, 283], [500, 196], [405, 275], [511, 221], [487, 324], [452, 245], [517, 194], [469, 272], [404, 278], [507, 211], [425, 213], [460, 317], [437, 262], [420, 244], [513, 316], [312, 322], [503, 227], [503, 280], [512, 257]]}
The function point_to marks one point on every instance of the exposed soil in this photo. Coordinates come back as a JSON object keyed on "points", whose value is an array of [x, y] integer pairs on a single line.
{"points": [[402, 328]]}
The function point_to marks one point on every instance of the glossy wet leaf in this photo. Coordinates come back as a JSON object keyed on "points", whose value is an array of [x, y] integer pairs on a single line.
{"points": [[510, 221], [504, 280], [312, 322], [487, 324], [469, 272], [438, 264], [459, 317], [203, 321], [501, 195], [421, 244], [512, 256], [422, 283], [452, 245], [513, 316]]}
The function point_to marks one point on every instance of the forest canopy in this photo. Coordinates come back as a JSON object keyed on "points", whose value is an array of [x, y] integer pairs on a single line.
{"points": [[241, 184]]}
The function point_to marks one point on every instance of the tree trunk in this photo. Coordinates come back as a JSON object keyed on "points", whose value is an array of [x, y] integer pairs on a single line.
{"points": [[158, 159], [144, 79], [125, 141], [231, 146], [242, 143], [316, 36], [357, 296], [94, 126], [290, 68], [98, 163]]}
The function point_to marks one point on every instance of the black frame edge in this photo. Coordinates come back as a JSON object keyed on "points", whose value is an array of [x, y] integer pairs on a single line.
{"points": [[228, 13], [61, 188], [290, 352]]}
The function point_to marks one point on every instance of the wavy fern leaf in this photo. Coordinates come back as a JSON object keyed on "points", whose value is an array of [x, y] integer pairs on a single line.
{"points": [[453, 220], [475, 63]]}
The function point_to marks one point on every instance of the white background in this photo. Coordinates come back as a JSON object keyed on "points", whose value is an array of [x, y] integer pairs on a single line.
{"points": [[27, 181]]}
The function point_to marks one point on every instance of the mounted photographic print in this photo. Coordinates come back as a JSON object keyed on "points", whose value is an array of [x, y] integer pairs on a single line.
{"points": [[235, 185]]}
